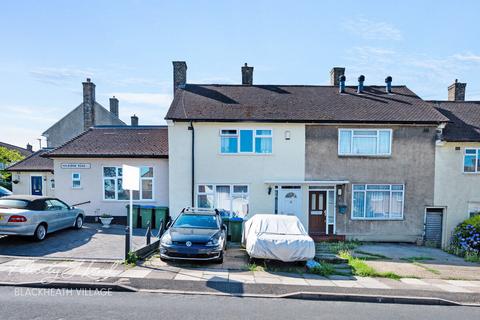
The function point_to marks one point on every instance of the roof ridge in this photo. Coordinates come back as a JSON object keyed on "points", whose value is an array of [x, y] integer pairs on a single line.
{"points": [[286, 85]]}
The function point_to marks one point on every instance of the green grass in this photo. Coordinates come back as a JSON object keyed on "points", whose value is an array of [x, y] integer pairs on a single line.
{"points": [[416, 261], [472, 257], [336, 247], [360, 268], [434, 271], [274, 267], [324, 269]]}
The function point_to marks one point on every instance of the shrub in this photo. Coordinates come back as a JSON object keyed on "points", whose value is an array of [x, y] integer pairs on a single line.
{"points": [[466, 238]]}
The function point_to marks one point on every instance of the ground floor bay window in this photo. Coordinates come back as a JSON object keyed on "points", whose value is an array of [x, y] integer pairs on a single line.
{"points": [[112, 184], [231, 197], [377, 201]]}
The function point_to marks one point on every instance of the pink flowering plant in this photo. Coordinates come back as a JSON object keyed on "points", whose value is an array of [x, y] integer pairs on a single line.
{"points": [[466, 239]]}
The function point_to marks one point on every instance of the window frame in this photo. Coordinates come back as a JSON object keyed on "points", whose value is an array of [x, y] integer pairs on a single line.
{"points": [[377, 136], [390, 190], [213, 193], [238, 136], [79, 179], [477, 159], [116, 177]]}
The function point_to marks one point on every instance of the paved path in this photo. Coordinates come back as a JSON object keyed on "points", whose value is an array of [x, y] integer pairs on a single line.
{"points": [[24, 303], [150, 276]]}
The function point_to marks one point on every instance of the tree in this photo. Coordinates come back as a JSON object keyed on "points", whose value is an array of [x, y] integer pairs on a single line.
{"points": [[8, 157]]}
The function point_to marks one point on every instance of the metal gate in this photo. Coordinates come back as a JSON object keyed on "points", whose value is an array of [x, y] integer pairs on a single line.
{"points": [[433, 227]]}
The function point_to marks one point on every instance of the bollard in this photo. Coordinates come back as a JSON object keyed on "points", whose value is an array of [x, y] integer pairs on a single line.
{"points": [[127, 242], [148, 233]]}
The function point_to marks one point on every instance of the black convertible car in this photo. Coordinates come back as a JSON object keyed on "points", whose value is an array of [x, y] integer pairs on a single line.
{"points": [[196, 234]]}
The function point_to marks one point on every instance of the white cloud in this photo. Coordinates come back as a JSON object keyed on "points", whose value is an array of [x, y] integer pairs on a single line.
{"points": [[58, 76], [372, 30], [161, 99], [470, 57]]}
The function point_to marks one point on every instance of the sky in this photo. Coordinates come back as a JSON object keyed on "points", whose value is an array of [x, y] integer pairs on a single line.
{"points": [[47, 48]]}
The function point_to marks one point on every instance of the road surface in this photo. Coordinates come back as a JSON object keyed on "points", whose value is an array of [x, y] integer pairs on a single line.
{"points": [[27, 303]]}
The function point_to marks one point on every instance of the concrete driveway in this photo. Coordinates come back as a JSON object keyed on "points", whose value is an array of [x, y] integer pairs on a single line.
{"points": [[91, 242], [408, 260]]}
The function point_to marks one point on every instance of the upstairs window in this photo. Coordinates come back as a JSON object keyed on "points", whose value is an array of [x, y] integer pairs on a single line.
{"points": [[365, 142], [251, 141], [471, 161]]}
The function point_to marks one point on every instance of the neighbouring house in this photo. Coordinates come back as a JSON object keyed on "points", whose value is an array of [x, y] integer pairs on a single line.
{"points": [[4, 163], [88, 114], [33, 175], [457, 166], [89, 168], [352, 162]]}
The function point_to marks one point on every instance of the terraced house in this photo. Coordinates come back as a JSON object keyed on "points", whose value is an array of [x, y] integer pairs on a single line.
{"points": [[457, 166], [352, 162]]}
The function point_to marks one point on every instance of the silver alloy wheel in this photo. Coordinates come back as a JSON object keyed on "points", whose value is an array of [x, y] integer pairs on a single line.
{"points": [[79, 222], [41, 232]]}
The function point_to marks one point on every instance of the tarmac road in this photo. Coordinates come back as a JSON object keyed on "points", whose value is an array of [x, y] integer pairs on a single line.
{"points": [[29, 303]]}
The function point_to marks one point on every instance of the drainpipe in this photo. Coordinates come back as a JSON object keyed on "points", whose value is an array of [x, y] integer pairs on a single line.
{"points": [[193, 163]]}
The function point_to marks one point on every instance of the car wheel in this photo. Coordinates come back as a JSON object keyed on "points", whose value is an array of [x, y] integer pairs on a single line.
{"points": [[40, 232], [79, 222]]}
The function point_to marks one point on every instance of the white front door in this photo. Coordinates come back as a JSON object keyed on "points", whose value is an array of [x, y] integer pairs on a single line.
{"points": [[290, 201]]}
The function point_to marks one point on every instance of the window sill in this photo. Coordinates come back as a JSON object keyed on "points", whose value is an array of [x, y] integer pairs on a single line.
{"points": [[245, 154], [382, 156], [377, 219]]}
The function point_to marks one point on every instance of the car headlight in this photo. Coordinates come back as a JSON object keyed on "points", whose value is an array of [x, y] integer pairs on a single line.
{"points": [[166, 239], [213, 242]]}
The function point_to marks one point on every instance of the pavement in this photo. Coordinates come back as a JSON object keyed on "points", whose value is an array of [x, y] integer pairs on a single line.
{"points": [[90, 242], [27, 303], [409, 260], [156, 277]]}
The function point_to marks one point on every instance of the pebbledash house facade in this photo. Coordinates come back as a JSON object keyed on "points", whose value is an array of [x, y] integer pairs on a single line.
{"points": [[355, 162]]}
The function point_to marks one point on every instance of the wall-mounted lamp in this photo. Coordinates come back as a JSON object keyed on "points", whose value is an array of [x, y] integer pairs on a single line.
{"points": [[287, 134], [339, 191], [269, 190]]}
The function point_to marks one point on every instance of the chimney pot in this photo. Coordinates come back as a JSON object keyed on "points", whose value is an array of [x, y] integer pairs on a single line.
{"points": [[88, 104], [179, 74], [114, 106], [335, 74], [388, 81], [29, 147], [456, 91], [361, 80], [134, 121], [247, 75]]}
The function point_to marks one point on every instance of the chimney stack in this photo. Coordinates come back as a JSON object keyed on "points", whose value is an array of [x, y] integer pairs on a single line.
{"points": [[114, 106], [341, 83], [456, 91], [335, 74], [361, 80], [134, 121], [88, 104], [29, 147], [247, 75], [388, 81], [179, 74]]}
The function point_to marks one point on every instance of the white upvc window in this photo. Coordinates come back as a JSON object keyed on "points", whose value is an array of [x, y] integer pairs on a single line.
{"points": [[231, 197], [471, 160], [112, 184], [76, 180], [365, 142], [377, 201], [246, 141]]}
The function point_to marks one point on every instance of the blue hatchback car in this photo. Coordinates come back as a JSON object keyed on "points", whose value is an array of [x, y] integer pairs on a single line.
{"points": [[196, 234]]}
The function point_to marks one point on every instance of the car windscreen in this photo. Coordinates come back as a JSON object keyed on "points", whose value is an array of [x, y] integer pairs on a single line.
{"points": [[14, 203], [196, 221]]}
